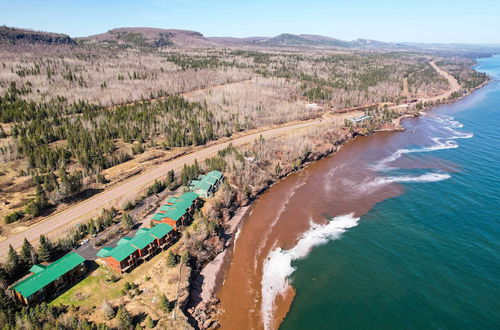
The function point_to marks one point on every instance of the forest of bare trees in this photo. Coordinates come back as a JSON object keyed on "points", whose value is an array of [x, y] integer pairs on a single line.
{"points": [[70, 112]]}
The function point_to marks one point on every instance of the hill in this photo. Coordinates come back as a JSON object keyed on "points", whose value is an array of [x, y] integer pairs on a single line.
{"points": [[301, 40], [23, 36], [150, 37]]}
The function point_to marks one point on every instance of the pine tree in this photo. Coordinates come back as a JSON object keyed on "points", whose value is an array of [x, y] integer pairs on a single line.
{"points": [[185, 258], [164, 304], [127, 221], [45, 250], [150, 324], [28, 256], [124, 318], [39, 204], [171, 259], [14, 261], [185, 175], [170, 178]]}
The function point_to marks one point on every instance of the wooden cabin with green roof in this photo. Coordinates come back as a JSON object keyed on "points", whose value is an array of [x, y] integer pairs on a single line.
{"points": [[131, 251], [47, 281]]}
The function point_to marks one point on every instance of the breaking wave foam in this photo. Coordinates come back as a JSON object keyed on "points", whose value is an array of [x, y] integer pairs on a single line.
{"points": [[427, 177], [277, 217], [278, 265], [440, 143]]}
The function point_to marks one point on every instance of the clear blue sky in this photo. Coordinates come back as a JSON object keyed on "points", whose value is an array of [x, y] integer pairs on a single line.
{"points": [[387, 20]]}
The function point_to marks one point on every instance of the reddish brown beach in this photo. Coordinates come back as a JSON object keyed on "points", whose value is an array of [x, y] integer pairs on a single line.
{"points": [[334, 186]]}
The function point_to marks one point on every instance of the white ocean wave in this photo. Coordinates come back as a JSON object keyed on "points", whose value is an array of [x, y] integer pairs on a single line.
{"points": [[282, 209], [427, 177], [278, 265], [440, 144]]}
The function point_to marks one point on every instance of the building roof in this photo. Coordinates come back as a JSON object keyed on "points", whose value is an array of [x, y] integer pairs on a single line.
{"points": [[202, 185], [175, 214], [104, 252], [142, 231], [195, 183], [189, 196], [210, 179], [159, 216], [122, 251], [52, 272], [123, 240], [171, 200], [215, 174], [37, 268], [166, 207], [160, 230], [129, 245], [142, 240], [181, 205]]}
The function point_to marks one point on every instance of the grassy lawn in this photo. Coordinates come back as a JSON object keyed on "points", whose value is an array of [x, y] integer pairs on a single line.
{"points": [[96, 287], [92, 290]]}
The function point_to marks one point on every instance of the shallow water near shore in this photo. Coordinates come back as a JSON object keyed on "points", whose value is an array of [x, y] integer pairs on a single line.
{"points": [[397, 230]]}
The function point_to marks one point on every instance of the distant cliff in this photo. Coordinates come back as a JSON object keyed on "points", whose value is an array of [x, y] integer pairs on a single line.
{"points": [[20, 36]]}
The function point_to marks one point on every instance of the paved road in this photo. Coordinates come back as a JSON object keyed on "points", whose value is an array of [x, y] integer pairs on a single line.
{"points": [[117, 195]]}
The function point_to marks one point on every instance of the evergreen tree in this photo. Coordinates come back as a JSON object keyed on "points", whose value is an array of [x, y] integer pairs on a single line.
{"points": [[124, 318], [13, 260], [150, 324], [164, 304], [28, 256], [185, 175], [185, 258], [45, 250], [171, 259], [170, 178], [39, 204], [127, 221]]}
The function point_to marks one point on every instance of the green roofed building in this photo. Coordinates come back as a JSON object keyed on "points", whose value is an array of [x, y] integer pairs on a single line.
{"points": [[130, 251], [47, 281], [171, 200], [158, 216], [207, 184], [104, 252], [164, 208], [189, 196], [178, 211], [37, 268]]}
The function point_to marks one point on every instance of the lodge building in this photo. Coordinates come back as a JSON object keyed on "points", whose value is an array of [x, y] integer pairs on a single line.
{"points": [[177, 211], [132, 251], [206, 185], [47, 281]]}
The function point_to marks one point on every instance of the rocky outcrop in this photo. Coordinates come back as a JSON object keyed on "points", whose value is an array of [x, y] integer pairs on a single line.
{"points": [[22, 36]]}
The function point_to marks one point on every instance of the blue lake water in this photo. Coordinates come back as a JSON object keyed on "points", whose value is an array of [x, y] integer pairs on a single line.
{"points": [[428, 258]]}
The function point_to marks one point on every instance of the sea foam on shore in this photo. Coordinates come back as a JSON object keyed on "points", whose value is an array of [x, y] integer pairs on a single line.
{"points": [[278, 265]]}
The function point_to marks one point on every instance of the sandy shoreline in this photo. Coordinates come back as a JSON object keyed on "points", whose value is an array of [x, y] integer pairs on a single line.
{"points": [[211, 271]]}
